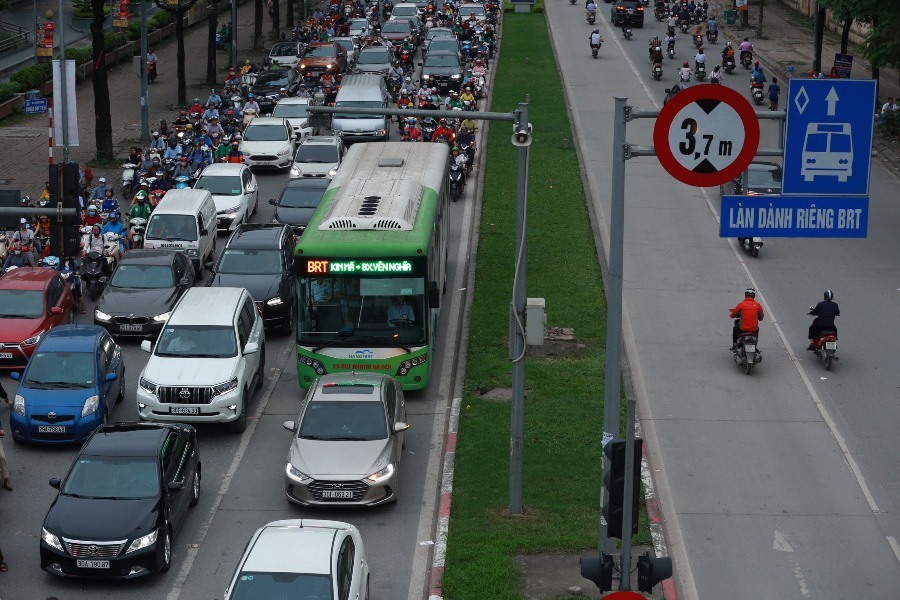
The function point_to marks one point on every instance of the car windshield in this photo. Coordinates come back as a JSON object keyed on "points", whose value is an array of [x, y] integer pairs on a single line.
{"points": [[284, 50], [172, 227], [61, 369], [436, 33], [316, 153], [395, 27], [441, 60], [443, 45], [196, 341], [360, 104], [768, 179], [220, 185], [144, 277], [325, 51], [378, 57], [115, 477], [465, 11], [21, 304], [281, 586], [346, 44], [356, 420], [287, 110], [358, 23], [404, 11], [241, 261], [265, 133], [301, 197], [272, 79]]}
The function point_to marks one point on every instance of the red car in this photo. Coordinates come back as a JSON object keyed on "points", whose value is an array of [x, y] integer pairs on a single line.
{"points": [[32, 301]]}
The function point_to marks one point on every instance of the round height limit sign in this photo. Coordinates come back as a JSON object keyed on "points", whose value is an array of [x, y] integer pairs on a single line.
{"points": [[706, 135]]}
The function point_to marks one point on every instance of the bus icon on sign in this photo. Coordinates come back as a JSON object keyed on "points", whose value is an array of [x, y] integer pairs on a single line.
{"points": [[827, 151]]}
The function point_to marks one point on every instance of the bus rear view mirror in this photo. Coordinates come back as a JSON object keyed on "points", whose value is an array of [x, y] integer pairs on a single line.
{"points": [[434, 295]]}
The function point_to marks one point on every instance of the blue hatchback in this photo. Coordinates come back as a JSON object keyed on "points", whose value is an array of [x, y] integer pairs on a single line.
{"points": [[69, 387]]}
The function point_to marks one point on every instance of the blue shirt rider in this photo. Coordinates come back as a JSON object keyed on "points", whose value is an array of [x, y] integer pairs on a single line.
{"points": [[109, 204], [756, 73], [99, 192], [173, 151]]}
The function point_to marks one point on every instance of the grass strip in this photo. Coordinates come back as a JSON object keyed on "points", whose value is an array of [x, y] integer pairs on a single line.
{"points": [[564, 394]]}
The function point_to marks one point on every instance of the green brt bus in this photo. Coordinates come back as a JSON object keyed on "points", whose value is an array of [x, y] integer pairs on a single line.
{"points": [[371, 265]]}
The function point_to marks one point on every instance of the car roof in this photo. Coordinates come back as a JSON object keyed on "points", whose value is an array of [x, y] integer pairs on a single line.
{"points": [[127, 439], [71, 338], [260, 121], [288, 100], [254, 235], [27, 278], [308, 183], [346, 380], [224, 169], [374, 49], [207, 306], [322, 140], [277, 547], [442, 53], [147, 256], [763, 166]]}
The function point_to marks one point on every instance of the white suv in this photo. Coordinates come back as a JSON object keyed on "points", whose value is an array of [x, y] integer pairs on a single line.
{"points": [[208, 358], [318, 156]]}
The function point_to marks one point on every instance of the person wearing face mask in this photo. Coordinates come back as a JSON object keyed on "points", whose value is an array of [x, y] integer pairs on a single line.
{"points": [[92, 216], [93, 242], [18, 258], [24, 236]]}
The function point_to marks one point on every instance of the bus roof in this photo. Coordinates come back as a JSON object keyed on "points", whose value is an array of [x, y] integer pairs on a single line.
{"points": [[383, 201]]}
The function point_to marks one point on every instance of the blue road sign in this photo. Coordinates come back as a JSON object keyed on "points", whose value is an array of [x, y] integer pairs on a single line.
{"points": [[828, 137], [38, 105], [794, 216]]}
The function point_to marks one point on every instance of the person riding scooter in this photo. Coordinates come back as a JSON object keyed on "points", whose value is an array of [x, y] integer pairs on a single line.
{"points": [[824, 313]]}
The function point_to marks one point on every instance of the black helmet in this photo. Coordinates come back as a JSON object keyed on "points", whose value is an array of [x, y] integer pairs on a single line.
{"points": [[750, 293], [829, 295]]}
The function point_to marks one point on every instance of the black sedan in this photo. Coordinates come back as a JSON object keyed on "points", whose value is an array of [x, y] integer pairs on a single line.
{"points": [[267, 85], [126, 495], [142, 292], [299, 201], [760, 179], [443, 70], [258, 257], [678, 87]]}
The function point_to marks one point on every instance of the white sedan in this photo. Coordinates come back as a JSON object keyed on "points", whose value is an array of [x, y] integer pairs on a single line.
{"points": [[268, 142], [234, 190]]}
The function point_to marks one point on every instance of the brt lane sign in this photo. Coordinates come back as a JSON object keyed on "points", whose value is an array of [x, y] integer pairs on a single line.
{"points": [[794, 216], [828, 137], [706, 135]]}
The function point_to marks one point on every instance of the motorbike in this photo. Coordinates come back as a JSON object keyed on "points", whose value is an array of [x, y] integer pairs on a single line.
{"points": [[595, 48], [698, 40], [751, 245], [747, 354], [746, 60], [661, 13], [670, 50], [151, 72], [111, 251], [4, 246], [469, 152], [128, 172], [93, 268], [456, 181], [728, 64], [712, 36], [656, 71], [428, 127], [700, 72], [825, 345], [591, 16], [684, 25], [249, 115], [572, 1], [627, 32], [138, 226], [182, 182], [756, 91]]}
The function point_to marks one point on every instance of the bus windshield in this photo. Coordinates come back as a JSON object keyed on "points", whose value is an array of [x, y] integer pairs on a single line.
{"points": [[348, 310]]}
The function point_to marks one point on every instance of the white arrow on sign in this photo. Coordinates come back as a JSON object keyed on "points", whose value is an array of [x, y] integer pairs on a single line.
{"points": [[832, 100]]}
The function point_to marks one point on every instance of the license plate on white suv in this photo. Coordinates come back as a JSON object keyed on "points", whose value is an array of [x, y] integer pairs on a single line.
{"points": [[82, 563], [342, 494], [184, 410]]}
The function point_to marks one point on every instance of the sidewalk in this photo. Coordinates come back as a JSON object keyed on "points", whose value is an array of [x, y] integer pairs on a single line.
{"points": [[25, 163], [788, 42]]}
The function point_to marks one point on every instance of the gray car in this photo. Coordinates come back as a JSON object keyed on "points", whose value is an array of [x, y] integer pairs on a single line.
{"points": [[347, 442], [376, 59]]}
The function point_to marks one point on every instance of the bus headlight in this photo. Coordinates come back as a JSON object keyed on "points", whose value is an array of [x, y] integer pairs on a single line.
{"points": [[409, 363], [315, 365]]}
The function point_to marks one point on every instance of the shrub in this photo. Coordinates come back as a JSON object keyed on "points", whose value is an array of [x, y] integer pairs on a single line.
{"points": [[8, 89], [32, 76], [889, 123], [114, 40], [80, 55], [134, 31], [160, 19]]}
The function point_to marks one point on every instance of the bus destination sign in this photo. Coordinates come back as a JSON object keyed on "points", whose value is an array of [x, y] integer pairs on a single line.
{"points": [[359, 267]]}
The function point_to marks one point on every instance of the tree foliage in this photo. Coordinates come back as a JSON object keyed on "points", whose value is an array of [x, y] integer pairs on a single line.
{"points": [[178, 12], [882, 44]]}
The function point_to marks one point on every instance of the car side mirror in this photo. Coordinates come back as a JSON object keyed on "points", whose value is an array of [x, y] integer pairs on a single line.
{"points": [[55, 483], [187, 280], [400, 427], [16, 375], [289, 425], [251, 348], [175, 486], [55, 310], [420, 64], [273, 201], [111, 376], [668, 90], [147, 346]]}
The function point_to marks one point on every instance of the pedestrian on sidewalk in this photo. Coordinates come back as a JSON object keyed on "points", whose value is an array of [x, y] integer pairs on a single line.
{"points": [[774, 90], [4, 465]]}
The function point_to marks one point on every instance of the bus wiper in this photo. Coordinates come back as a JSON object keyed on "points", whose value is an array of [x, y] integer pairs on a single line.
{"points": [[350, 337]]}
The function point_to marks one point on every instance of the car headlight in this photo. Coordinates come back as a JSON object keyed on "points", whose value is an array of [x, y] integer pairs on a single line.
{"points": [[304, 124], [144, 541], [163, 317], [284, 152], [34, 339], [102, 316], [19, 405], [457, 76], [230, 211], [296, 172], [328, 66], [332, 171], [296, 475], [51, 540], [225, 387], [148, 385], [382, 474], [426, 76], [275, 301], [302, 66], [90, 406], [381, 132], [192, 252]]}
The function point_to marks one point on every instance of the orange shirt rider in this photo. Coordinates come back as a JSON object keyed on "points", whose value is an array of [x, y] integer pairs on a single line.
{"points": [[750, 312]]}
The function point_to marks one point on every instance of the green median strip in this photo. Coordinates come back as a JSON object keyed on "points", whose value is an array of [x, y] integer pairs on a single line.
{"points": [[564, 394]]}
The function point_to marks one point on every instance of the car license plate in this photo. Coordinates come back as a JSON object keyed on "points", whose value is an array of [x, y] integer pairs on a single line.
{"points": [[831, 345], [82, 563], [337, 494], [51, 429], [5, 354], [184, 410], [131, 327], [750, 348]]}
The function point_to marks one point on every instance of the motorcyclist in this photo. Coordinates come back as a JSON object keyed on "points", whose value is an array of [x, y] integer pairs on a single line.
{"points": [[234, 155], [670, 42], [395, 71], [140, 210], [700, 58], [746, 48], [18, 258], [182, 120], [160, 183], [479, 69], [110, 204], [183, 169], [716, 75], [756, 74], [712, 28], [69, 271], [199, 158], [468, 96], [250, 104], [595, 39], [158, 142], [92, 217], [456, 156], [454, 101], [747, 314], [173, 150], [684, 74], [99, 192], [824, 313], [197, 108], [590, 7], [215, 128], [411, 132], [115, 227], [654, 42], [408, 86], [24, 235], [214, 98], [95, 241], [470, 124], [443, 131], [152, 59], [727, 52], [656, 57]]}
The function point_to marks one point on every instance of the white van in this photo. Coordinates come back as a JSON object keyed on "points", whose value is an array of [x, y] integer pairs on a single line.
{"points": [[362, 90], [185, 220]]}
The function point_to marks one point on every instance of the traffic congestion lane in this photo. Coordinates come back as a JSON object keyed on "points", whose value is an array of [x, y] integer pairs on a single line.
{"points": [[753, 482], [32, 466]]}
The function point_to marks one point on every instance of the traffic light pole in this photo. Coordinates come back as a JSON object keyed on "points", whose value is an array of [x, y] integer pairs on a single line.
{"points": [[630, 491]]}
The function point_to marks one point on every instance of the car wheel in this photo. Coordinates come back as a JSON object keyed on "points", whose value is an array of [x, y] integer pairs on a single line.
{"points": [[261, 370], [195, 487], [166, 551], [240, 424]]}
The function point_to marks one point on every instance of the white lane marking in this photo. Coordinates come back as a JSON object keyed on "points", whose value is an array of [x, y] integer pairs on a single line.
{"points": [[892, 540], [781, 542], [228, 477]]}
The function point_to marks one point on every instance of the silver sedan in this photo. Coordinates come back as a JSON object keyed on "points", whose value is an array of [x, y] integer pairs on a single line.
{"points": [[347, 442]]}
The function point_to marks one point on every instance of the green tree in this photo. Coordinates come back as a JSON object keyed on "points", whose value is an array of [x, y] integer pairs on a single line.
{"points": [[177, 11], [100, 82]]}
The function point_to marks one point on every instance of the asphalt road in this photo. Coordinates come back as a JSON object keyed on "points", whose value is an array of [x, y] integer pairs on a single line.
{"points": [[242, 484], [778, 485]]}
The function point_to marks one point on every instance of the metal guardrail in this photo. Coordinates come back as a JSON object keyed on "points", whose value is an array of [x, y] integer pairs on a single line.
{"points": [[16, 36]]}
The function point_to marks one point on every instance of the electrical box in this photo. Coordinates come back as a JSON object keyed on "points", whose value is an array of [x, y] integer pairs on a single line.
{"points": [[535, 320]]}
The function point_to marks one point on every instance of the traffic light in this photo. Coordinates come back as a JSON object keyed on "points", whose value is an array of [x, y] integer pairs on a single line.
{"points": [[615, 480], [599, 570], [65, 184], [652, 570]]}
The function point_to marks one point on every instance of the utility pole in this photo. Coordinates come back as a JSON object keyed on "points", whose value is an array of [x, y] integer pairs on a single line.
{"points": [[759, 30], [63, 100], [234, 33], [145, 92]]}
